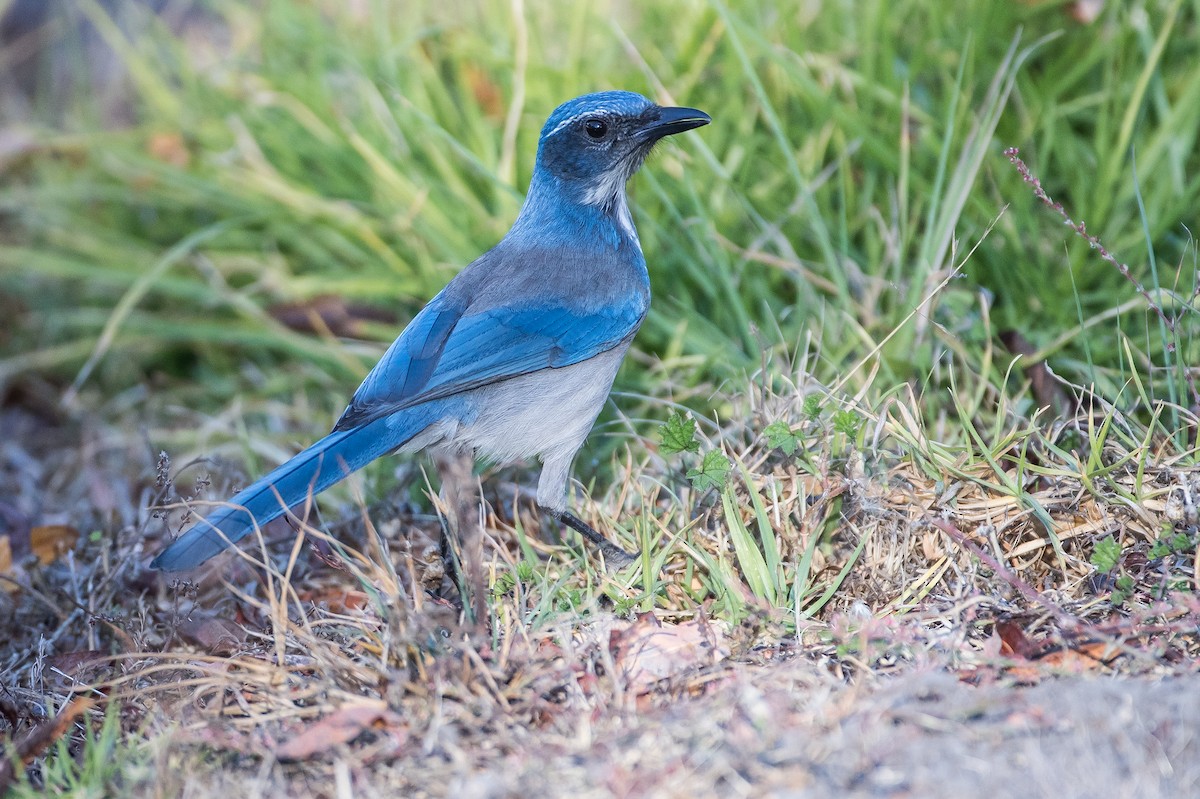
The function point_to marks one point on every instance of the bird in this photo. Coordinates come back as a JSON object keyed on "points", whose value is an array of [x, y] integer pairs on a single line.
{"points": [[516, 356]]}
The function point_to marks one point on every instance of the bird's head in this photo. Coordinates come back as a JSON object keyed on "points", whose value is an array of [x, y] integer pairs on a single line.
{"points": [[593, 144]]}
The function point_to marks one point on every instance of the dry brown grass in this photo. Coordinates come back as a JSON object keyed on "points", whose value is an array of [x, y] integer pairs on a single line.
{"points": [[922, 558]]}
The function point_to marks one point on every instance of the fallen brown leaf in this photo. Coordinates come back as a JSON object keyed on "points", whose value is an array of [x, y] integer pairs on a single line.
{"points": [[339, 727], [50, 541], [1080, 658], [1013, 641], [217, 636], [336, 599], [1035, 660], [646, 652]]}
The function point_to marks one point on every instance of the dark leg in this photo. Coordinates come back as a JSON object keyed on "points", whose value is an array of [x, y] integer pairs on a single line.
{"points": [[612, 553]]}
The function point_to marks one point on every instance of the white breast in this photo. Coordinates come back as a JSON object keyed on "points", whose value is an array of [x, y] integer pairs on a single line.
{"points": [[544, 413]]}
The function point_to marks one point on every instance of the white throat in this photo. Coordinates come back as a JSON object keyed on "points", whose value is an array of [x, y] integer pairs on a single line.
{"points": [[609, 192]]}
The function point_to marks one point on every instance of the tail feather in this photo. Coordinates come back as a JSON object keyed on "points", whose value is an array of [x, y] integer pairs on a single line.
{"points": [[323, 464]]}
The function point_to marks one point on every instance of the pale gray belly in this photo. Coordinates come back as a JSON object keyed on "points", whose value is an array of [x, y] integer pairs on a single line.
{"points": [[545, 414], [542, 413]]}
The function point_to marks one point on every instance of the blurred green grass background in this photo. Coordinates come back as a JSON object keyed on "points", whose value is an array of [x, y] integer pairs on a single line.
{"points": [[275, 154]]}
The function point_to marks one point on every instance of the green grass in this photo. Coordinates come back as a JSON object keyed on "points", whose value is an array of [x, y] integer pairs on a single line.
{"points": [[92, 759], [853, 161]]}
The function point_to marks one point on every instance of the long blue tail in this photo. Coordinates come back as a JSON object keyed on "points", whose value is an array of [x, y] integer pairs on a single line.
{"points": [[312, 471]]}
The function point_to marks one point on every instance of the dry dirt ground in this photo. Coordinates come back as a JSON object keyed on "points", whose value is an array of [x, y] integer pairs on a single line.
{"points": [[788, 730]]}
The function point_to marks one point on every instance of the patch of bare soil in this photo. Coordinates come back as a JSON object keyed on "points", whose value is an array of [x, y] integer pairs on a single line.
{"points": [[790, 729], [785, 730]]}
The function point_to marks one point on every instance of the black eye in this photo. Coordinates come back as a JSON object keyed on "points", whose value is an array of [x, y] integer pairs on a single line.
{"points": [[596, 128]]}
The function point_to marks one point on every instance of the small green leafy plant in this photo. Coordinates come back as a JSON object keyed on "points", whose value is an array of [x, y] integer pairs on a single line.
{"points": [[678, 434]]}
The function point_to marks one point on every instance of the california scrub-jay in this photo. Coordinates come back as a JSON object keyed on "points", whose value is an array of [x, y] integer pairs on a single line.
{"points": [[516, 355]]}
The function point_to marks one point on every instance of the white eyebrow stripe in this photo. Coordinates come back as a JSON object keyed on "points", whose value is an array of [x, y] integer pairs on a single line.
{"points": [[599, 110]]}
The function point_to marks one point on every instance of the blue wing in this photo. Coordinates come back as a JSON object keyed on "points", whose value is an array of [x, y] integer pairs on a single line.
{"points": [[447, 349]]}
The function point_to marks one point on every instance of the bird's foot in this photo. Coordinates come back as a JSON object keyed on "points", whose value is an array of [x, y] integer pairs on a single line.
{"points": [[612, 553]]}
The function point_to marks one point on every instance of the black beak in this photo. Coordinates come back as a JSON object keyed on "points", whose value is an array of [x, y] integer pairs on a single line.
{"points": [[668, 121]]}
